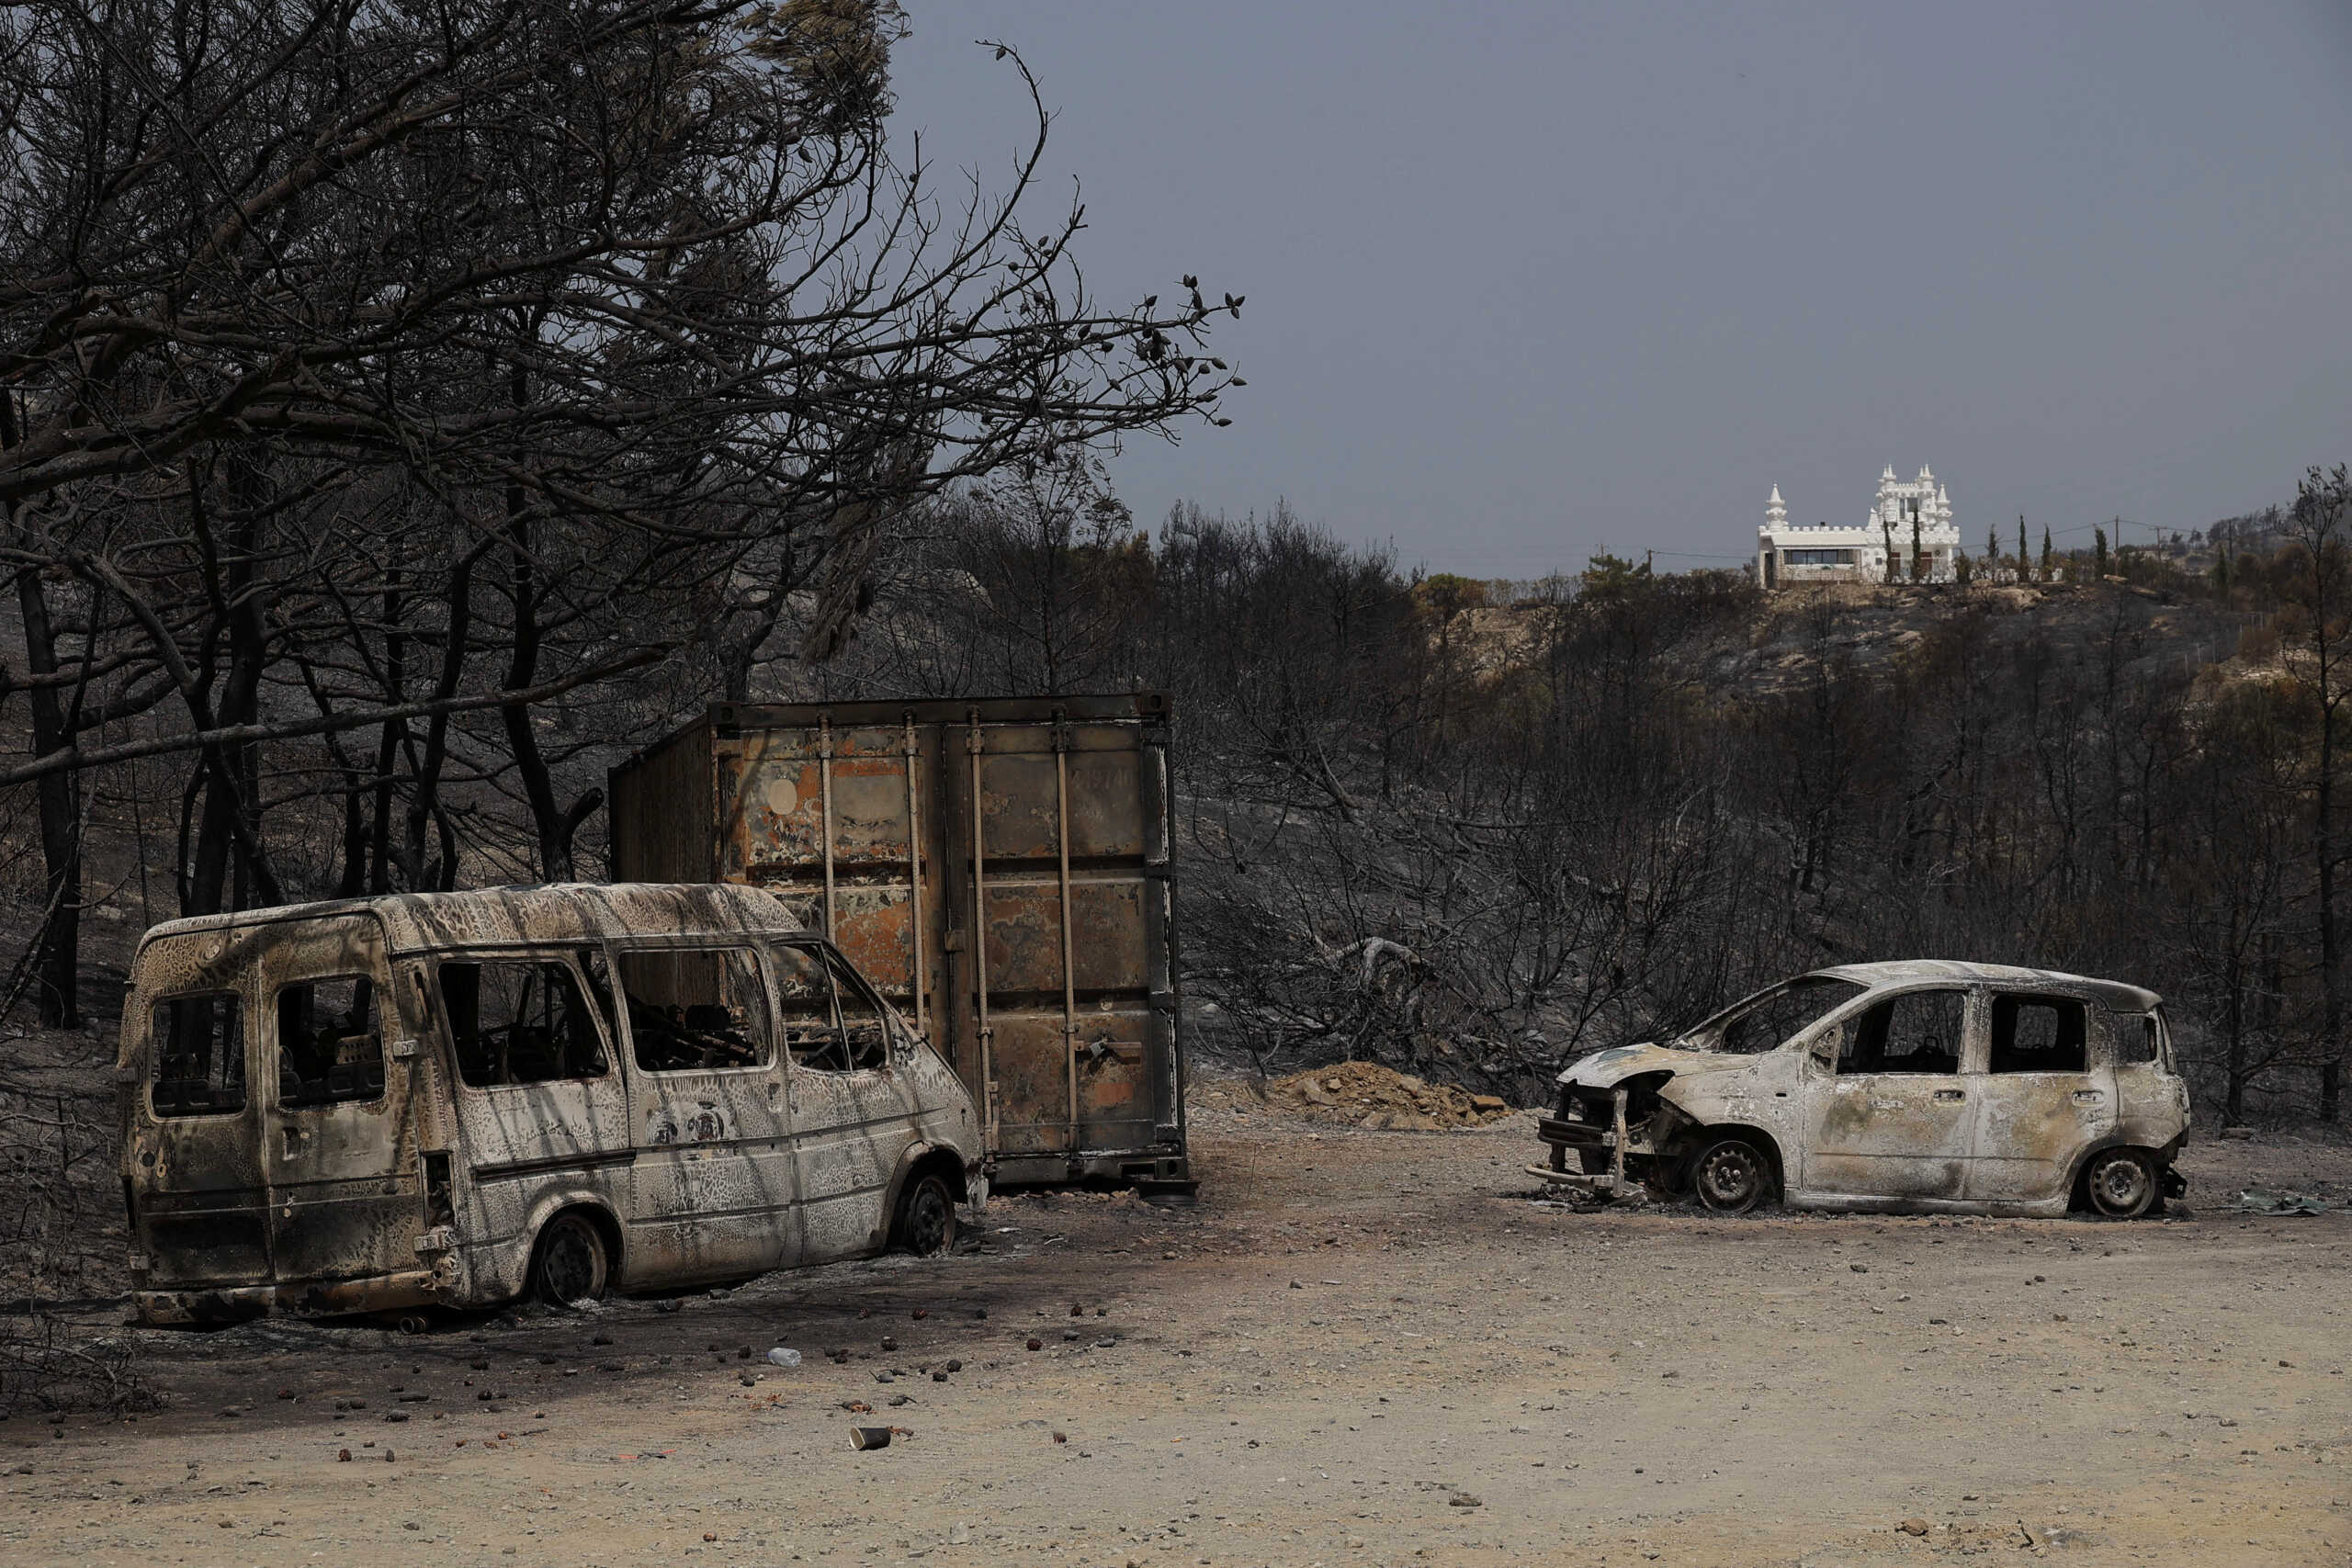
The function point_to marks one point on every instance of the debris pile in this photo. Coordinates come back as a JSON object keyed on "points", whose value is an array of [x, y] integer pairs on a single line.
{"points": [[1367, 1095]]}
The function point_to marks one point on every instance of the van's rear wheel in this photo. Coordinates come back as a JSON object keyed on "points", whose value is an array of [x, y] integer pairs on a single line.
{"points": [[1731, 1175], [926, 1222], [2121, 1183], [569, 1264]]}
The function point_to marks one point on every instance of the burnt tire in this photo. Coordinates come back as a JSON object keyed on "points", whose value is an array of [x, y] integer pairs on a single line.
{"points": [[571, 1263], [2121, 1184], [1730, 1176], [925, 1222]]}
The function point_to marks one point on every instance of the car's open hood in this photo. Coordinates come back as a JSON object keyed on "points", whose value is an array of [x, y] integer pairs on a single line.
{"points": [[1606, 1069]]}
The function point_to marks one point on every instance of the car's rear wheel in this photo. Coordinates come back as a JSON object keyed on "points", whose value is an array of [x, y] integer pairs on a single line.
{"points": [[1730, 1176], [926, 1222], [2121, 1184], [569, 1264]]}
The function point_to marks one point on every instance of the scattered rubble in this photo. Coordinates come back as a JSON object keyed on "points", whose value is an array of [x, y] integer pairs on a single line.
{"points": [[2256, 1200], [1367, 1095]]}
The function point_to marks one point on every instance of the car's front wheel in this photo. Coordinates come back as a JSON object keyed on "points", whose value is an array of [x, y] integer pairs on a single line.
{"points": [[2121, 1183], [1730, 1176]]}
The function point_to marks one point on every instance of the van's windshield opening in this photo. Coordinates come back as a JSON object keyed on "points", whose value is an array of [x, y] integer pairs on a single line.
{"points": [[1766, 1020], [829, 1025], [198, 1044], [519, 1021]]}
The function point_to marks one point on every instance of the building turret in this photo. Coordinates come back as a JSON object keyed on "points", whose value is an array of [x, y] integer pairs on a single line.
{"points": [[1908, 519]]}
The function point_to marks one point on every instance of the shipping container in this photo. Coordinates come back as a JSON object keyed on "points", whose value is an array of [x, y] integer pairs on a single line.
{"points": [[999, 870]]}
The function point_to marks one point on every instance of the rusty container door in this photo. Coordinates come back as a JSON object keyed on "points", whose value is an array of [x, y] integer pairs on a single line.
{"points": [[1000, 871], [1060, 941]]}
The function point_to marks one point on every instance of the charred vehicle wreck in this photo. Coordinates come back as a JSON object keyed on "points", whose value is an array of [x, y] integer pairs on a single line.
{"points": [[458, 1098], [1925, 1085]]}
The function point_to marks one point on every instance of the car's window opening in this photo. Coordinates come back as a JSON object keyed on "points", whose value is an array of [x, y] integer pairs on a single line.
{"points": [[2136, 1041], [330, 1049], [1770, 1018], [198, 1044], [2039, 1034], [519, 1021], [1919, 1032], [695, 1010]]}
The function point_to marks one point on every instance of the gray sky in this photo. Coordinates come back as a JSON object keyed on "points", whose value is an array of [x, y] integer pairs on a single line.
{"points": [[1526, 280]]}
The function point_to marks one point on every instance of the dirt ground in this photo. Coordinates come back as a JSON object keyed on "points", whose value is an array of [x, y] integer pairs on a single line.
{"points": [[1362, 1346]]}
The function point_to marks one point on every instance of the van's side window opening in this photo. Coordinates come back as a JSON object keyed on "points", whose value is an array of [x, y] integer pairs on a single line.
{"points": [[2039, 1034], [696, 1010], [198, 1044], [330, 1050], [519, 1021]]}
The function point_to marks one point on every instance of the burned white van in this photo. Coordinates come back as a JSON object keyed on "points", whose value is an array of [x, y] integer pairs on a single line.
{"points": [[460, 1099]]}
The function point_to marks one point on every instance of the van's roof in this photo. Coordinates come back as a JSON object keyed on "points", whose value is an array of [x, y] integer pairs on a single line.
{"points": [[562, 912], [2113, 994]]}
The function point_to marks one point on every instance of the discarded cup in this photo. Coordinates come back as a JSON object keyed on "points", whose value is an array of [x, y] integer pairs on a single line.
{"points": [[869, 1436], [784, 1355]]}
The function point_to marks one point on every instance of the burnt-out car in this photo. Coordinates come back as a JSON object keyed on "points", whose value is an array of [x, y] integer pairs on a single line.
{"points": [[1924, 1085], [458, 1098]]}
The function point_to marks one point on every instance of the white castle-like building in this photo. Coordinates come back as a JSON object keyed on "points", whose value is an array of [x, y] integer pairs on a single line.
{"points": [[1907, 519]]}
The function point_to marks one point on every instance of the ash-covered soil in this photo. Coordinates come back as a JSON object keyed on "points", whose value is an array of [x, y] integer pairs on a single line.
{"points": [[1362, 1346]]}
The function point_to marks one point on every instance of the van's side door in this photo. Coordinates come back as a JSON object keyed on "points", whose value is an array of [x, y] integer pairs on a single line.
{"points": [[2048, 1089], [540, 1099], [340, 1138], [715, 1171], [851, 1113]]}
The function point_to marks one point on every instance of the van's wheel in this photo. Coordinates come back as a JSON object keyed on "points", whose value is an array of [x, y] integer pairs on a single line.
{"points": [[1730, 1176], [569, 1264], [926, 1221], [2121, 1183]]}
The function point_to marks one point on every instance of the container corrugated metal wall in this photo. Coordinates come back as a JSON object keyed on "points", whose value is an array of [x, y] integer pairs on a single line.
{"points": [[1040, 824]]}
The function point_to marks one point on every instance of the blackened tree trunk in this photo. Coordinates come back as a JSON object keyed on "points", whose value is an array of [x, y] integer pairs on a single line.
{"points": [[389, 743], [57, 967], [554, 826], [228, 867]]}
